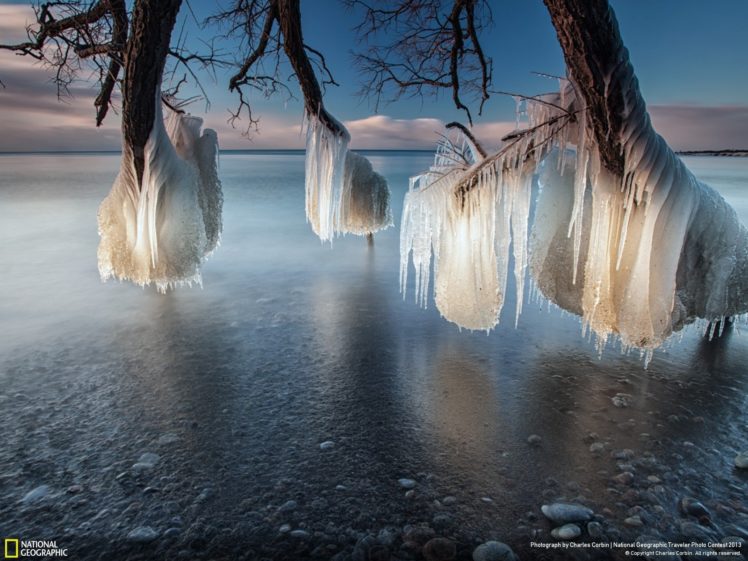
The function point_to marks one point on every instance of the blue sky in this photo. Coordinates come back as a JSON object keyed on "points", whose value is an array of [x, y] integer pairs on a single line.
{"points": [[690, 58]]}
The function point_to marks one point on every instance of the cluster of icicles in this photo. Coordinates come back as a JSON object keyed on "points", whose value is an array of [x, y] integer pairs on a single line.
{"points": [[636, 257], [158, 231], [343, 192]]}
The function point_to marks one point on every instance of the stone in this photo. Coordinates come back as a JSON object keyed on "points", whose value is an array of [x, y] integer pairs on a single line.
{"points": [[562, 513], [406, 483], [566, 532], [439, 549], [494, 551], [741, 460], [36, 494], [634, 522], [300, 534], [625, 478], [143, 534], [692, 507], [534, 440], [595, 529], [327, 445], [288, 506]]}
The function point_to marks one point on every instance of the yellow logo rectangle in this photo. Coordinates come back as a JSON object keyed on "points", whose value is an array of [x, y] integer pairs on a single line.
{"points": [[11, 548]]}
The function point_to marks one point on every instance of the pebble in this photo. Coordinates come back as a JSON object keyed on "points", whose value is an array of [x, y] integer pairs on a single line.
{"points": [[143, 534], [562, 513], [625, 478], [36, 494], [300, 534], [288, 506], [285, 528], [534, 440], [741, 460], [449, 501], [327, 445], [692, 507], [494, 551], [406, 483], [566, 532], [621, 400], [172, 533], [596, 447], [634, 522], [439, 549]]}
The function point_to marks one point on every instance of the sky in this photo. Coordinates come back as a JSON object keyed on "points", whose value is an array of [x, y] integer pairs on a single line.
{"points": [[690, 58]]}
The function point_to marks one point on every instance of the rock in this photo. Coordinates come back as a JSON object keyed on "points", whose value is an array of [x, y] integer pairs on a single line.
{"points": [[692, 507], [288, 506], [741, 460], [406, 483], [143, 534], [566, 532], [562, 513], [694, 531], [534, 440], [494, 551], [595, 529], [327, 445], [36, 494], [285, 528], [300, 534], [75, 489], [449, 501], [172, 533], [634, 522], [341, 488], [149, 459], [597, 447], [625, 478], [621, 400], [439, 549], [168, 438]]}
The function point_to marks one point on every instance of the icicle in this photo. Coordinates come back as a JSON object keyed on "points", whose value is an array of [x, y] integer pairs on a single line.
{"points": [[325, 163], [158, 231], [343, 192]]}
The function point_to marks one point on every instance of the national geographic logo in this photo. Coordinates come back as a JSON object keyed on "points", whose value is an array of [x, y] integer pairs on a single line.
{"points": [[13, 548]]}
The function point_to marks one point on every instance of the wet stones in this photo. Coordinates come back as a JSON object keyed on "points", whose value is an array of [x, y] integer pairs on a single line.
{"points": [[562, 513], [566, 532], [494, 551], [146, 462], [288, 506], [406, 483], [327, 445]]}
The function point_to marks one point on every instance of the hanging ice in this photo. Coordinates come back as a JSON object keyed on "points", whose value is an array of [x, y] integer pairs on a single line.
{"points": [[343, 192], [637, 256], [365, 200], [160, 231]]}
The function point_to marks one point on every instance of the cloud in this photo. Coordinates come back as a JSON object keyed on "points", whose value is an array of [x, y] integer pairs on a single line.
{"points": [[697, 127]]}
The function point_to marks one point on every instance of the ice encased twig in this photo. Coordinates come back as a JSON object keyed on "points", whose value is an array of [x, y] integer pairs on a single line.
{"points": [[343, 192], [159, 230]]}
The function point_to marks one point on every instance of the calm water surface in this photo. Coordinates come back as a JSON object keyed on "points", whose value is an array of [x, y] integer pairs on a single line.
{"points": [[290, 343]]}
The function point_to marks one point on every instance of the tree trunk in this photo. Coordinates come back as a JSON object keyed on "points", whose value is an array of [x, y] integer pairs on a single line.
{"points": [[145, 57], [599, 67]]}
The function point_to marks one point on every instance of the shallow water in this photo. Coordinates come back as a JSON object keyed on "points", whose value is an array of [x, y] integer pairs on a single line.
{"points": [[290, 343]]}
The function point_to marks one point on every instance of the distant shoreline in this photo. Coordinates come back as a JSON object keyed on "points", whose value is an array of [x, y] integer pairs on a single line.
{"points": [[727, 153], [228, 151]]}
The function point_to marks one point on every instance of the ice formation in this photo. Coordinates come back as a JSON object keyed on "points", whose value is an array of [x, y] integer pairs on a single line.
{"points": [[365, 199], [343, 192], [159, 231], [637, 257]]}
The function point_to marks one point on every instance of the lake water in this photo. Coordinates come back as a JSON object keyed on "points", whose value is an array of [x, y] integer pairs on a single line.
{"points": [[291, 343]]}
